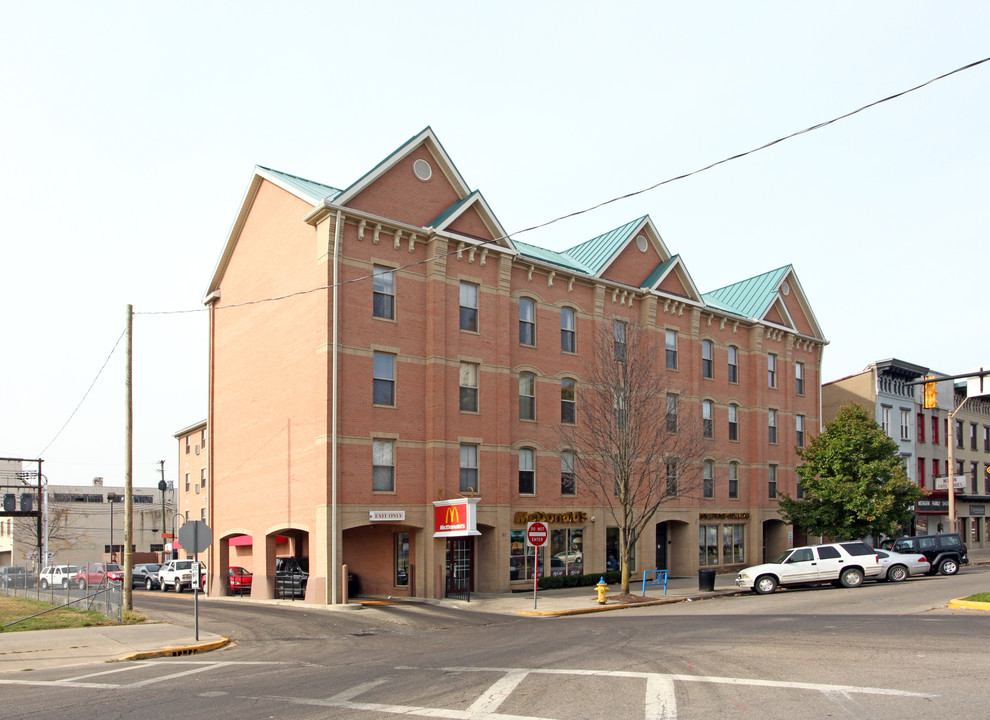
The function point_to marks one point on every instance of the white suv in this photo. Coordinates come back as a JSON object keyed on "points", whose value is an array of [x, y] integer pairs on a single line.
{"points": [[844, 563], [175, 574], [56, 576]]}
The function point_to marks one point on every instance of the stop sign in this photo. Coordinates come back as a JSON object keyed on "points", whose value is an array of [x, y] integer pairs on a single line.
{"points": [[536, 534]]}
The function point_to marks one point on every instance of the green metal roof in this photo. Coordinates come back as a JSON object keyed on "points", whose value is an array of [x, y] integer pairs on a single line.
{"points": [[544, 255], [318, 192], [442, 217], [594, 253], [750, 298], [658, 272]]}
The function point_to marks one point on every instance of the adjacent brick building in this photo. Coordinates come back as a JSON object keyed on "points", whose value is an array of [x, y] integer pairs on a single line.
{"points": [[388, 370]]}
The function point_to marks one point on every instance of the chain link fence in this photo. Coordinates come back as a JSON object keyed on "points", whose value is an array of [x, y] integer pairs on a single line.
{"points": [[106, 599]]}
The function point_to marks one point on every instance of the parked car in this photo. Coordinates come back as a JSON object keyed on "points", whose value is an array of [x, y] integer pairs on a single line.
{"points": [[945, 552], [56, 576], [240, 581], [898, 567], [98, 573], [145, 575], [291, 576], [175, 574], [15, 576], [843, 563]]}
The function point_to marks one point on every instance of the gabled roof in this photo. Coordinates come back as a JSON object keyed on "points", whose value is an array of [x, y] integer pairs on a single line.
{"points": [[476, 200], [302, 188], [750, 298], [595, 253], [775, 297], [550, 256], [425, 137], [674, 266]]}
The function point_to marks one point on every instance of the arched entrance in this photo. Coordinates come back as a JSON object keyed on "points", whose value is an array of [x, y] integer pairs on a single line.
{"points": [[673, 547]]}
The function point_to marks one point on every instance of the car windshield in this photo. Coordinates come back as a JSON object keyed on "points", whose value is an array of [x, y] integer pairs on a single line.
{"points": [[152, 568], [183, 565], [111, 567], [782, 557]]}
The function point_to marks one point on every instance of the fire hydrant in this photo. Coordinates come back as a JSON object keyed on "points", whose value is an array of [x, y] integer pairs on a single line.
{"points": [[601, 587]]}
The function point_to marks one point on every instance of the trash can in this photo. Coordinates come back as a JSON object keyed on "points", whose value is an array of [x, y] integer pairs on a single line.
{"points": [[706, 580]]}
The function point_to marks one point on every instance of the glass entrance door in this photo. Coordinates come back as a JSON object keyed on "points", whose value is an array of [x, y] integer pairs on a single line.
{"points": [[459, 565]]}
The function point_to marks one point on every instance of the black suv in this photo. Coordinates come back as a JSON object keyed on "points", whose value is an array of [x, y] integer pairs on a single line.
{"points": [[291, 576], [945, 552], [15, 576]]}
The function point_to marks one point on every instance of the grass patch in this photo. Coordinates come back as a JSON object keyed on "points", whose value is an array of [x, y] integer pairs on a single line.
{"points": [[15, 608], [979, 597]]}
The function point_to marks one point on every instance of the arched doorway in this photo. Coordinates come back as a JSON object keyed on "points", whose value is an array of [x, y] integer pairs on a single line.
{"points": [[673, 549]]}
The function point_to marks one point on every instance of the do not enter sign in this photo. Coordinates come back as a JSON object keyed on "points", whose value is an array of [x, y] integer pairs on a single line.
{"points": [[536, 534]]}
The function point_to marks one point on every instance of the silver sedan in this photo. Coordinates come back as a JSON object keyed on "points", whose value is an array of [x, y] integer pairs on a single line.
{"points": [[898, 566]]}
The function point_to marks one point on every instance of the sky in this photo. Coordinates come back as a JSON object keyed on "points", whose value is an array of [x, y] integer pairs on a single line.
{"points": [[130, 131]]}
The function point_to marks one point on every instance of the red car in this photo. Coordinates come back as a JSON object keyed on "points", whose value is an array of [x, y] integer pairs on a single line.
{"points": [[240, 581], [98, 573]]}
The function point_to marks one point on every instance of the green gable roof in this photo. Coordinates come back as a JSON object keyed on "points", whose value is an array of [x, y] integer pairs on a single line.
{"points": [[658, 272], [442, 217], [594, 253], [549, 256], [317, 192], [750, 298]]}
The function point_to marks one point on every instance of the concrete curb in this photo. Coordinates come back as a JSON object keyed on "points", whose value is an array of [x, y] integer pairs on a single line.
{"points": [[175, 650], [625, 606], [969, 604]]}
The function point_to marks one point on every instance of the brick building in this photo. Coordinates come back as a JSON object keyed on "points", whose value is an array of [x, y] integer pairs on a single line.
{"points": [[388, 369]]}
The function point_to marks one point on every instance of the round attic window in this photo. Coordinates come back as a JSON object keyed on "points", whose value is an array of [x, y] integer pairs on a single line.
{"points": [[423, 170], [642, 243], [785, 288]]}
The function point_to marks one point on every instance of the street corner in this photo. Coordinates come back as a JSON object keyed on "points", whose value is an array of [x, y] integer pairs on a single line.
{"points": [[176, 650], [969, 604]]}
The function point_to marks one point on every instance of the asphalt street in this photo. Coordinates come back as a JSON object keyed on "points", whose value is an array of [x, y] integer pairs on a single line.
{"points": [[879, 651]]}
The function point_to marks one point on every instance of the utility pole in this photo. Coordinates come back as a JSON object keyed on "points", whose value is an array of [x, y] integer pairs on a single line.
{"points": [[128, 466]]}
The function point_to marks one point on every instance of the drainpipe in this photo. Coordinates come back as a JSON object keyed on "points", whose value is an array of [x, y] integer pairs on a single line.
{"points": [[334, 582]]}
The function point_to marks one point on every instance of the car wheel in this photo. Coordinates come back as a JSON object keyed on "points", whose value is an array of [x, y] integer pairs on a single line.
{"points": [[82, 584], [897, 573], [43, 584], [148, 585], [948, 567], [178, 586], [65, 584], [851, 577], [765, 584]]}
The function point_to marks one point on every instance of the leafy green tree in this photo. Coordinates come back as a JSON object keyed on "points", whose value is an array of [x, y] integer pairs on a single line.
{"points": [[854, 481]]}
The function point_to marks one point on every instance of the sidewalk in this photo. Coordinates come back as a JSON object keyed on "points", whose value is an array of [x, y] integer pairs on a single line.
{"points": [[40, 649]]}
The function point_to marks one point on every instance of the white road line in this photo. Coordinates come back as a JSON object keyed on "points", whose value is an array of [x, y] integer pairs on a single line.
{"points": [[163, 678], [661, 700], [353, 692], [821, 687], [495, 695], [135, 666], [448, 713]]}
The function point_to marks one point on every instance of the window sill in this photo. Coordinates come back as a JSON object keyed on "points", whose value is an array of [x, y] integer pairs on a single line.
{"points": [[391, 320], [470, 412]]}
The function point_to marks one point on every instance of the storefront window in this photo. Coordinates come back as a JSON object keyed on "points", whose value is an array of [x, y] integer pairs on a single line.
{"points": [[566, 551], [402, 559], [612, 548], [708, 545], [522, 559], [733, 549]]}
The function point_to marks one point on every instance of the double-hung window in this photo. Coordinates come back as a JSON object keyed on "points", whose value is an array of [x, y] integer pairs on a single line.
{"points": [[568, 414], [733, 422], [671, 413], [619, 340], [771, 370], [707, 362], [568, 486], [670, 343], [708, 482], [772, 425], [469, 468], [527, 322], [905, 424], [707, 423], [383, 466], [672, 478], [733, 480], [383, 293], [384, 379], [733, 364], [568, 330], [527, 396], [772, 481], [799, 428], [469, 306], [527, 472], [799, 378], [469, 387]]}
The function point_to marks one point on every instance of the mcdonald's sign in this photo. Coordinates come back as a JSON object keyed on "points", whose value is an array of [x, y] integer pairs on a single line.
{"points": [[455, 518]]}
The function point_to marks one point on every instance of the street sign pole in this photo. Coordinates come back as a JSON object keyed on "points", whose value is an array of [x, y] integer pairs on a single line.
{"points": [[195, 580], [536, 537]]}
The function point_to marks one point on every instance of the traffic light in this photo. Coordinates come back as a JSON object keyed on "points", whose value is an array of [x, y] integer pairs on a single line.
{"points": [[931, 392]]}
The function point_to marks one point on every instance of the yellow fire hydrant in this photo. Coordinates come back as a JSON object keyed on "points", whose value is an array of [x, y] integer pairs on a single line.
{"points": [[601, 587]]}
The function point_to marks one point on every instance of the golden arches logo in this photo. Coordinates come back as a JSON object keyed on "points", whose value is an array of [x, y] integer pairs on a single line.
{"points": [[453, 515]]}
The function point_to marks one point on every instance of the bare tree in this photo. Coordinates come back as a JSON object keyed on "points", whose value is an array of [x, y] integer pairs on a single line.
{"points": [[61, 535], [636, 446]]}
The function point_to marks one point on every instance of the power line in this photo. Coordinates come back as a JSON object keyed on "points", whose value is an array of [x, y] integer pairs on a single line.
{"points": [[84, 395], [602, 204]]}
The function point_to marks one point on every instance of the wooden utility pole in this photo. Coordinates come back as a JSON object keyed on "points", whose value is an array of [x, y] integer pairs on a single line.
{"points": [[128, 466]]}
